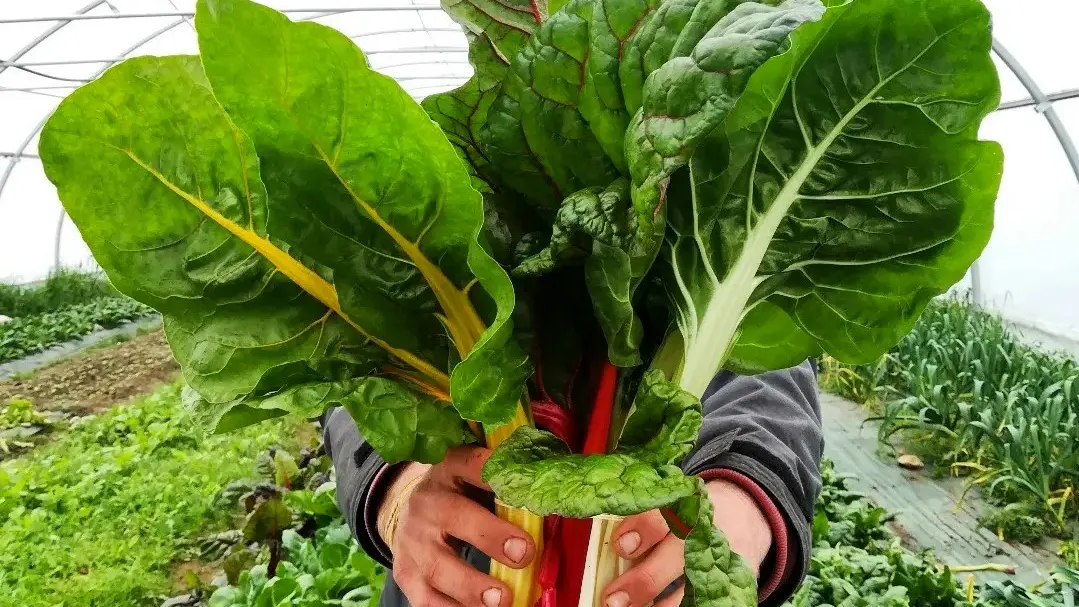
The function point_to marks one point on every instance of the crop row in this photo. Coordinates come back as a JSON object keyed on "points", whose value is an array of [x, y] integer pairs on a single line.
{"points": [[31, 334], [986, 404]]}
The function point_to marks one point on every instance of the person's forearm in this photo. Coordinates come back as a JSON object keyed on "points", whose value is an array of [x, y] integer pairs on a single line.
{"points": [[741, 519]]}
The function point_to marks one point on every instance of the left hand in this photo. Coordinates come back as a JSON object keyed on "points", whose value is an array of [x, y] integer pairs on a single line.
{"points": [[646, 538]]}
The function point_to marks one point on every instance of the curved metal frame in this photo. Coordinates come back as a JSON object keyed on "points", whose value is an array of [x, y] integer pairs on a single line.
{"points": [[1041, 102]]}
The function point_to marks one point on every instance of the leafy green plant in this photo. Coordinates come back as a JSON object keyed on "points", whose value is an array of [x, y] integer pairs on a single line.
{"points": [[1015, 523], [31, 334], [19, 412], [1069, 551], [317, 239], [325, 570]]}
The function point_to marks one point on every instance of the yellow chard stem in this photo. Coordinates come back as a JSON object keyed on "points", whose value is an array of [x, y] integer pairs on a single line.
{"points": [[523, 583]]}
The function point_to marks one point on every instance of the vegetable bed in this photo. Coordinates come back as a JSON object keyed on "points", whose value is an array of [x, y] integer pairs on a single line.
{"points": [[626, 198], [32, 334], [985, 403], [97, 516], [859, 562]]}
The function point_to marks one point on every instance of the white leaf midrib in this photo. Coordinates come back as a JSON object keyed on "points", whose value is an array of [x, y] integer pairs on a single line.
{"points": [[717, 327]]}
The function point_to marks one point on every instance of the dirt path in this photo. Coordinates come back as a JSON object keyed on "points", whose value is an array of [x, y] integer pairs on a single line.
{"points": [[98, 378]]}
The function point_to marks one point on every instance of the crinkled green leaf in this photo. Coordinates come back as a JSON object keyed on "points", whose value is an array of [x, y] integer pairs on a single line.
{"points": [[672, 30], [687, 97], [715, 574], [846, 188], [665, 421], [533, 469], [403, 425], [597, 225], [535, 137]]}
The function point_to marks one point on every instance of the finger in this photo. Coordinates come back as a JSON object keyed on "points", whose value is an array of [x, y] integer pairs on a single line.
{"points": [[470, 522], [465, 464], [673, 599], [637, 534], [648, 577], [416, 589], [449, 574]]}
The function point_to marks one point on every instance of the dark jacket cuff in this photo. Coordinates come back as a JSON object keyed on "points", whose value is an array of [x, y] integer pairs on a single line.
{"points": [[788, 563], [355, 476]]}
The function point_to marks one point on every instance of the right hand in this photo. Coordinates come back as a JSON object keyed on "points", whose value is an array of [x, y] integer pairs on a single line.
{"points": [[434, 513]]}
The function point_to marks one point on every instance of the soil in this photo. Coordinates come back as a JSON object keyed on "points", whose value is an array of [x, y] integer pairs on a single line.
{"points": [[98, 378]]}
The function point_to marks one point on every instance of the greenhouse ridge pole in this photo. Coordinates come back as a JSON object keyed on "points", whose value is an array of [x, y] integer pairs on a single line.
{"points": [[1044, 104]]}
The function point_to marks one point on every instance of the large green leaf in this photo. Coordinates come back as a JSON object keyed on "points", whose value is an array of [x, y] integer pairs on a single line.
{"points": [[845, 189], [386, 195], [166, 192], [614, 22], [687, 97]]}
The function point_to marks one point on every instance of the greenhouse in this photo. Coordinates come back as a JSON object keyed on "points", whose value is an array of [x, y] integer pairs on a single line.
{"points": [[545, 303]]}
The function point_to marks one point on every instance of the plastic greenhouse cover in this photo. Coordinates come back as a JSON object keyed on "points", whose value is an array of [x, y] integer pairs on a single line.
{"points": [[1030, 270]]}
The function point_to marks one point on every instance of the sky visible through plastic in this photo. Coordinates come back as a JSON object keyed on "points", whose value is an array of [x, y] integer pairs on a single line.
{"points": [[1030, 271]]}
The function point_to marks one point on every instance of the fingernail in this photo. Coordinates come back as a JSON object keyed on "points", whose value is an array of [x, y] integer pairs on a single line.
{"points": [[629, 543], [492, 597], [618, 599], [515, 549]]}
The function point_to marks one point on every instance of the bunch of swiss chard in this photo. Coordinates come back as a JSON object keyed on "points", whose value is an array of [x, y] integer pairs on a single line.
{"points": [[691, 185]]}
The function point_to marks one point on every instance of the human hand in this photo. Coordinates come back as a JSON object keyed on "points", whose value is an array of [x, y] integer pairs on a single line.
{"points": [[427, 512], [660, 560]]}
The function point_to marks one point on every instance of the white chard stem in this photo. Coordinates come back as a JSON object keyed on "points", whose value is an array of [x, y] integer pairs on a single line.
{"points": [[602, 564]]}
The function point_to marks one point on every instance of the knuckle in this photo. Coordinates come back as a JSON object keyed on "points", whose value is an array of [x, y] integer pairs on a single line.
{"points": [[649, 582]]}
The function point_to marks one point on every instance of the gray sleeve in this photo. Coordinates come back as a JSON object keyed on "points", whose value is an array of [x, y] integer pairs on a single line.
{"points": [[768, 428], [356, 469]]}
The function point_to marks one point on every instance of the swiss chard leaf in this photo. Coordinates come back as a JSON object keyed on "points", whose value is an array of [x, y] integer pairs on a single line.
{"points": [[505, 24], [686, 98], [535, 137], [845, 189], [715, 574], [243, 316], [392, 186], [597, 225], [462, 112], [536, 471]]}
